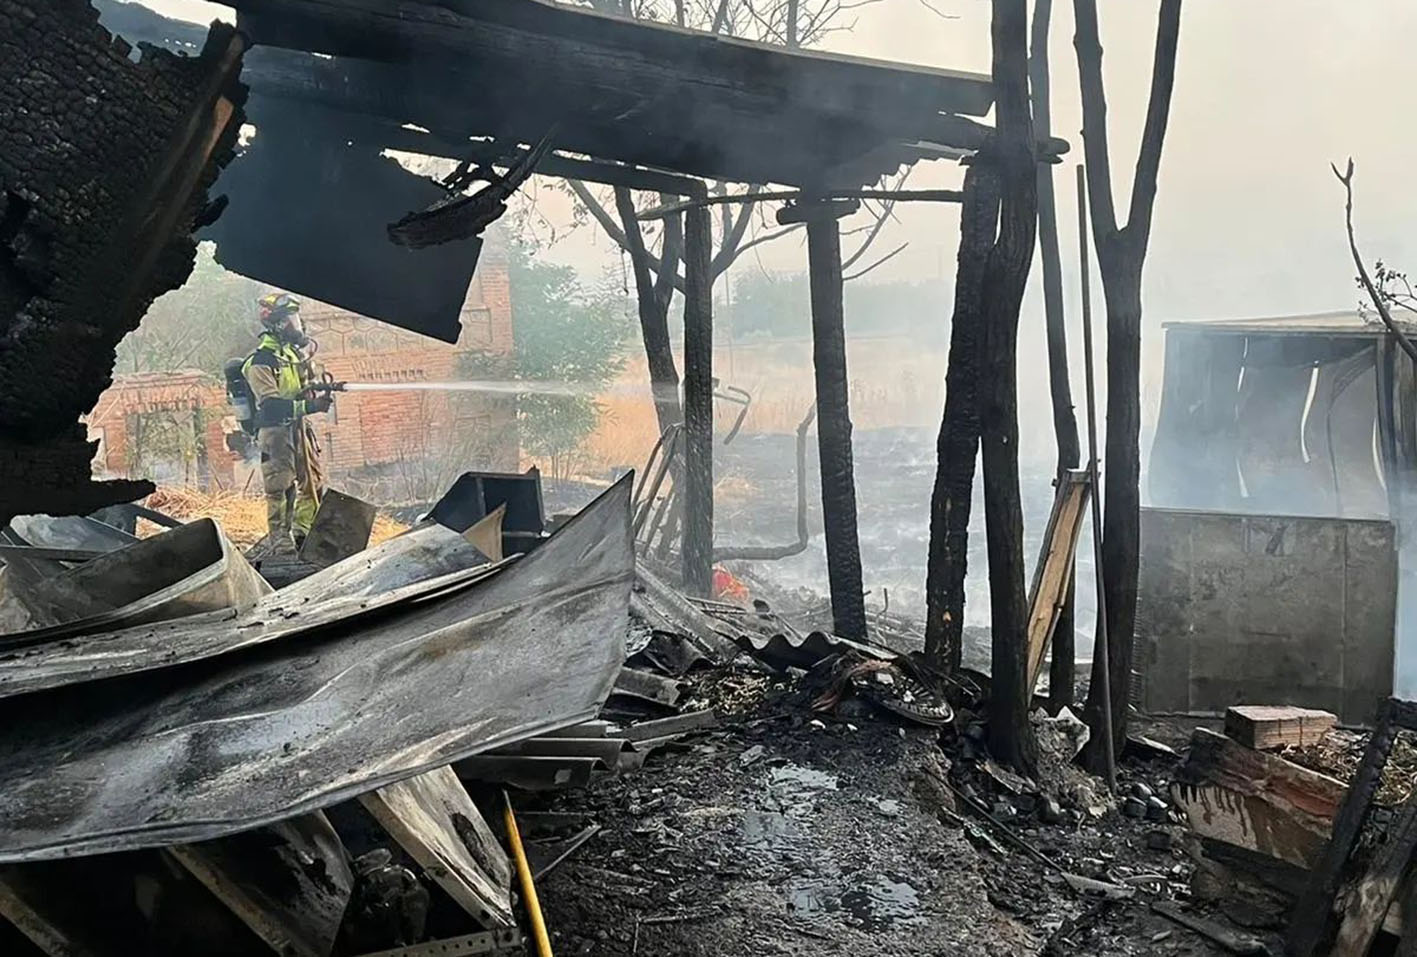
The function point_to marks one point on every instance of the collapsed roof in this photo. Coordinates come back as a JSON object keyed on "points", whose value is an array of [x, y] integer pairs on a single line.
{"points": [[336, 82]]}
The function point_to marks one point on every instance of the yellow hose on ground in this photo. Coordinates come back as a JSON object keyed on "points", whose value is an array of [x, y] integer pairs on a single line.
{"points": [[533, 906]]}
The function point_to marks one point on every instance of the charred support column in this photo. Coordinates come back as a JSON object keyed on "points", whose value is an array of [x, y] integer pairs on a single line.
{"points": [[833, 413], [698, 403]]}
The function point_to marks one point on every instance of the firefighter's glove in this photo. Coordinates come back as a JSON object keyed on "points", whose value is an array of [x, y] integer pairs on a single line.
{"points": [[319, 403]]}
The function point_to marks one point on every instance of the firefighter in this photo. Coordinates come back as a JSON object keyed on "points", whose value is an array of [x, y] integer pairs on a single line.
{"points": [[279, 373]]}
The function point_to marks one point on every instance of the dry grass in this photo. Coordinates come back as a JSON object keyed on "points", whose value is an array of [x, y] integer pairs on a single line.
{"points": [[241, 517]]}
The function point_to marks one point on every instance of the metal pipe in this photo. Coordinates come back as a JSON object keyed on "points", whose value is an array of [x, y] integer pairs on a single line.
{"points": [[533, 905], [774, 552], [1103, 669]]}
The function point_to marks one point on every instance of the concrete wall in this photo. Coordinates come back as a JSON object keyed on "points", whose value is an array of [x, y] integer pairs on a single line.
{"points": [[1265, 609]]}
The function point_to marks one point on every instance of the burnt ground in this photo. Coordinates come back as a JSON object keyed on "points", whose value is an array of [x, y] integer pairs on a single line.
{"points": [[777, 833]]}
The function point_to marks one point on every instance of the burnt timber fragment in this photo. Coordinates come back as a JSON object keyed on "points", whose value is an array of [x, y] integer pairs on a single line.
{"points": [[833, 410], [463, 217], [104, 168]]}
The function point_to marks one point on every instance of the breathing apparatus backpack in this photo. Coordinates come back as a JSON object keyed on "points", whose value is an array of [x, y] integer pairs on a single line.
{"points": [[240, 396]]}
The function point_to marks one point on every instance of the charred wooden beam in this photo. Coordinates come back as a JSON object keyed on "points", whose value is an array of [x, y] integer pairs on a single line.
{"points": [[957, 448], [792, 195], [698, 402], [1254, 800], [833, 411], [500, 153], [1313, 916]]}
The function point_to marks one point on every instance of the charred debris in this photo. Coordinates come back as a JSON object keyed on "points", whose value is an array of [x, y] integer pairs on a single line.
{"points": [[499, 733]]}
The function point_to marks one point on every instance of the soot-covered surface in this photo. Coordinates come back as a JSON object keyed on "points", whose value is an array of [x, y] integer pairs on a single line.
{"points": [[779, 834]]}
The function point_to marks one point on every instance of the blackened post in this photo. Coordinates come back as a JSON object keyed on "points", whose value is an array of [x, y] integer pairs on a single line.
{"points": [[698, 403], [833, 413]]}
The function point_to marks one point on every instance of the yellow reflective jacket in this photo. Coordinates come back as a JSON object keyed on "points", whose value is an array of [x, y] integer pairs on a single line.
{"points": [[277, 374]]}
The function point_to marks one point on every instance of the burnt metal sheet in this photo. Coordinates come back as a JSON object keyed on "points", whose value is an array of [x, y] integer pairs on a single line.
{"points": [[666, 610], [336, 249], [606, 749], [423, 552], [193, 753], [531, 772], [670, 653], [186, 570], [361, 587], [70, 531], [791, 651], [649, 687], [676, 725], [586, 729]]}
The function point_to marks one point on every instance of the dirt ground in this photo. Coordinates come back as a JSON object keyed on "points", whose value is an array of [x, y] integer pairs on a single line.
{"points": [[778, 833]]}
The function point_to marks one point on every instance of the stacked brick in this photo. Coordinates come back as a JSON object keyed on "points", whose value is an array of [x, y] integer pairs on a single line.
{"points": [[86, 130]]}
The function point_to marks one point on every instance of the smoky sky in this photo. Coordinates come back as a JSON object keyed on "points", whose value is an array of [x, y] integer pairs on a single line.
{"points": [[1248, 216]]}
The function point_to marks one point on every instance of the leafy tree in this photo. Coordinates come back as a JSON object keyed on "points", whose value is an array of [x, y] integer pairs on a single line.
{"points": [[199, 326], [566, 337]]}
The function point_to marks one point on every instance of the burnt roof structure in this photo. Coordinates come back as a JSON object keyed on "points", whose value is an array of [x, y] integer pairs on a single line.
{"points": [[650, 106], [626, 90]]}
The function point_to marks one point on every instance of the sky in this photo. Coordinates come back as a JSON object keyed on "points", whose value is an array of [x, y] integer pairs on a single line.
{"points": [[1248, 217]]}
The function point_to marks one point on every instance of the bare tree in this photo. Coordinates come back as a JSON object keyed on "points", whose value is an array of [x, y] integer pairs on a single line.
{"points": [[1065, 425], [791, 23], [1005, 276], [1121, 253], [1392, 288], [997, 232]]}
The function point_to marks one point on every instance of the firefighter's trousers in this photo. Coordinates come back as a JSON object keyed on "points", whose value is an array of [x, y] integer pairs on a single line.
{"points": [[294, 484]]}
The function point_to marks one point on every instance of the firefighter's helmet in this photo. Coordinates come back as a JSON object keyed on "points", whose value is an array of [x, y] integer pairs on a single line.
{"points": [[277, 308]]}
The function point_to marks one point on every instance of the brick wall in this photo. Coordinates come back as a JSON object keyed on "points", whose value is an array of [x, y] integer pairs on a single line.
{"points": [[399, 440], [190, 401]]}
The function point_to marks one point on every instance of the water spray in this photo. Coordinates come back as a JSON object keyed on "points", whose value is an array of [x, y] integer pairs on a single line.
{"points": [[492, 386]]}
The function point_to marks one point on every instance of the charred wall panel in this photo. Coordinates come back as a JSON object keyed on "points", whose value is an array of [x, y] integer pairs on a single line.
{"points": [[1266, 609], [104, 165], [309, 211]]}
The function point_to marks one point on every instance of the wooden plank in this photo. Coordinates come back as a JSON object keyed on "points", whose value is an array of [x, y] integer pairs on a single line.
{"points": [[1054, 570], [289, 882], [433, 819], [1255, 800], [1277, 726], [1375, 893], [1314, 910]]}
